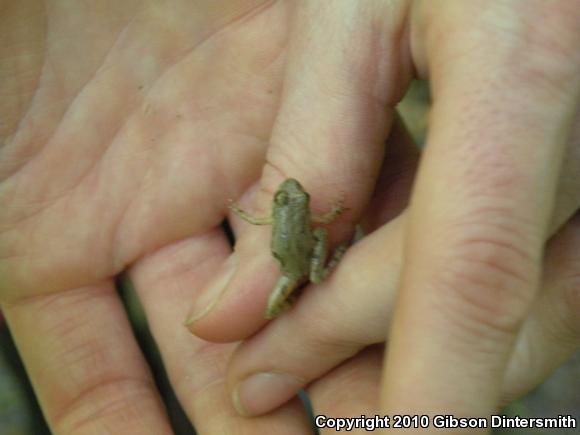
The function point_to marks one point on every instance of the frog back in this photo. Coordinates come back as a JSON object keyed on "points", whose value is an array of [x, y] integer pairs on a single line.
{"points": [[292, 241]]}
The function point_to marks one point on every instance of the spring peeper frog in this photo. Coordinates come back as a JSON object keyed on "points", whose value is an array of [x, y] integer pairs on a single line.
{"points": [[300, 249]]}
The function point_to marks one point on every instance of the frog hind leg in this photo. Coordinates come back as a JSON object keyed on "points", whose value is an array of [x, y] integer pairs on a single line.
{"points": [[281, 298], [318, 272], [319, 254]]}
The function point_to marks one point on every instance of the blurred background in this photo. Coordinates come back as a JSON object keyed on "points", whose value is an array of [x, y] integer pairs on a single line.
{"points": [[21, 415]]}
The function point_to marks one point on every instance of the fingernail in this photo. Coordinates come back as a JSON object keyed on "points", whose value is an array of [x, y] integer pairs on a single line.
{"points": [[264, 392], [211, 294]]}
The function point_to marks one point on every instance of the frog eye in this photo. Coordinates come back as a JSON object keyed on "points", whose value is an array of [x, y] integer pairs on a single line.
{"points": [[281, 198]]}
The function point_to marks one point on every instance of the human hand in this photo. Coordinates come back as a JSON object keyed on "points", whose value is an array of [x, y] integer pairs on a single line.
{"points": [[486, 192], [125, 129]]}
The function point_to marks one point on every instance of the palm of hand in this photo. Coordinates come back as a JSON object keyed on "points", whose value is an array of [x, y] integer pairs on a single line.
{"points": [[138, 125], [131, 145]]}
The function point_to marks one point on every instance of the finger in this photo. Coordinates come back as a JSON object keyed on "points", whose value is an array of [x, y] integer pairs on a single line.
{"points": [[328, 325], [318, 335], [84, 363], [339, 94], [291, 345], [567, 203], [388, 200], [337, 318], [350, 390], [166, 281], [551, 334], [353, 312], [549, 337], [482, 204]]}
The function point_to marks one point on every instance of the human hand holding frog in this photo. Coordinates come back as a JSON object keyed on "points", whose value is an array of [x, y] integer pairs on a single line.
{"points": [[125, 130], [491, 190]]}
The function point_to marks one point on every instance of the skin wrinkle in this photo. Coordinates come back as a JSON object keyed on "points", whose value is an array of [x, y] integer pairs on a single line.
{"points": [[196, 385], [66, 338], [493, 245], [52, 202], [96, 161], [246, 16], [118, 263], [552, 50], [86, 400], [184, 266], [105, 65], [500, 302], [10, 133], [43, 73]]}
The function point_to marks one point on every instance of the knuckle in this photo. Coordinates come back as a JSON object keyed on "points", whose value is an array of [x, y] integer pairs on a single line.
{"points": [[552, 59], [495, 273]]}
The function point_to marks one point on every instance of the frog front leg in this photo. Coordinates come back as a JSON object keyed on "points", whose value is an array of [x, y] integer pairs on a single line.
{"points": [[281, 296], [248, 217], [329, 217], [318, 271]]}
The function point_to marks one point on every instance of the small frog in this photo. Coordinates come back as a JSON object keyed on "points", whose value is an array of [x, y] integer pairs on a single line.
{"points": [[300, 249]]}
